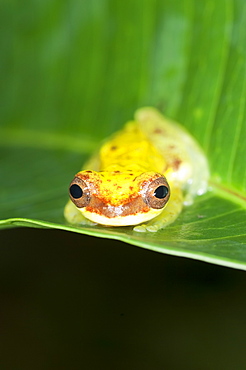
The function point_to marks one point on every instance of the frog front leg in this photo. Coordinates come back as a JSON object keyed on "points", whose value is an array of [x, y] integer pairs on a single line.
{"points": [[74, 216], [167, 216]]}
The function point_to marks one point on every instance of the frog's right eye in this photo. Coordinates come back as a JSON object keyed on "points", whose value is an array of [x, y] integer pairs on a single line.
{"points": [[157, 193], [79, 192]]}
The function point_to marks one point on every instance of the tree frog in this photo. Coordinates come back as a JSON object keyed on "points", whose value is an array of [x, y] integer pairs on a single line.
{"points": [[141, 176]]}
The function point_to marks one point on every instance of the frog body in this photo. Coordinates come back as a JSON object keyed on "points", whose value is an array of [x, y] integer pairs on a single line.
{"points": [[141, 176]]}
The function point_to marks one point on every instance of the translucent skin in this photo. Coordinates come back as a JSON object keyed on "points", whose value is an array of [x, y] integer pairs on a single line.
{"points": [[144, 150]]}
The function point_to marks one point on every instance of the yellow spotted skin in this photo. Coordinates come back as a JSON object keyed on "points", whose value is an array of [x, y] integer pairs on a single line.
{"points": [[118, 176], [130, 149]]}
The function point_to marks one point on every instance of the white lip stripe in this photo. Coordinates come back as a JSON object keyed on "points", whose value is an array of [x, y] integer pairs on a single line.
{"points": [[121, 220]]}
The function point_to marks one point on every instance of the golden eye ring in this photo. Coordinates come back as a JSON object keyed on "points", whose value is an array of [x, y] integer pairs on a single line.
{"points": [[157, 193], [79, 192]]}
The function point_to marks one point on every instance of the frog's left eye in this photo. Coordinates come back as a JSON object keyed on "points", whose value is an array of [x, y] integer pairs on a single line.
{"points": [[161, 192], [79, 192], [157, 193]]}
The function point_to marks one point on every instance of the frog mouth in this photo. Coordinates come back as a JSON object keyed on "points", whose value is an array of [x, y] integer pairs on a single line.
{"points": [[133, 207], [119, 216]]}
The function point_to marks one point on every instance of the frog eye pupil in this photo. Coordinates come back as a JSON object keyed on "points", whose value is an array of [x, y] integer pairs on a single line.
{"points": [[161, 192], [76, 191]]}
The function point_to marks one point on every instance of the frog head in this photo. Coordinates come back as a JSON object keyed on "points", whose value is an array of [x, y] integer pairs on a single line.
{"points": [[119, 198]]}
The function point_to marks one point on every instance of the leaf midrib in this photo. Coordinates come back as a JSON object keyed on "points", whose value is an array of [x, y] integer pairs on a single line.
{"points": [[235, 196]]}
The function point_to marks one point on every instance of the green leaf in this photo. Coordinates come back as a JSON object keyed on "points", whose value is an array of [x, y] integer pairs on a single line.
{"points": [[73, 72]]}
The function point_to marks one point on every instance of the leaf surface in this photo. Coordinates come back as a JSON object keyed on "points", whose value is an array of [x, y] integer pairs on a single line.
{"points": [[74, 72]]}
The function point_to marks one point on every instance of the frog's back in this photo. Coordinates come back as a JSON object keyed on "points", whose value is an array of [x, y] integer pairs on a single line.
{"points": [[186, 163], [131, 149], [122, 179]]}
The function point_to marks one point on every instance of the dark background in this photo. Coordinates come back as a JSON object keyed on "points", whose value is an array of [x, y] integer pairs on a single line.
{"points": [[69, 301]]}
